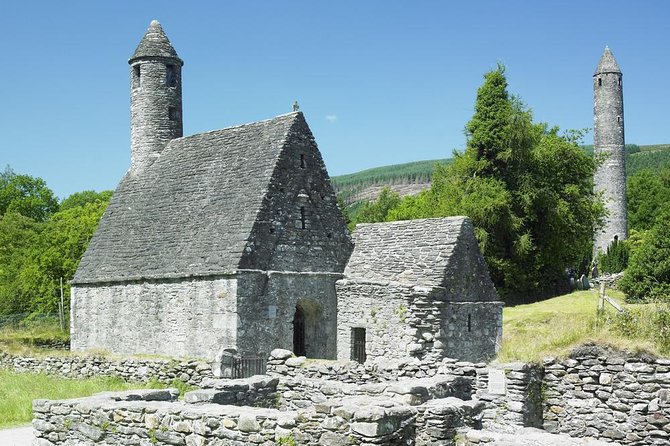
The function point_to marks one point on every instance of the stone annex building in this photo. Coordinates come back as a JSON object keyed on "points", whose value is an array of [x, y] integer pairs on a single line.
{"points": [[232, 239]]}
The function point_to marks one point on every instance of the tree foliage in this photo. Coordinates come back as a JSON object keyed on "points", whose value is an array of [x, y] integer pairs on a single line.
{"points": [[527, 190], [647, 277], [38, 249], [26, 195], [615, 259], [648, 196], [377, 210]]}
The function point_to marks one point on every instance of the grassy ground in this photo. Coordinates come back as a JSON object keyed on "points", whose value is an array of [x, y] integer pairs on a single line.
{"points": [[17, 391], [554, 326]]}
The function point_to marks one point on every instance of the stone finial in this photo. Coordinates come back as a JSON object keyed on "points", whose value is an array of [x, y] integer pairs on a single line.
{"points": [[607, 63], [296, 107], [155, 43]]}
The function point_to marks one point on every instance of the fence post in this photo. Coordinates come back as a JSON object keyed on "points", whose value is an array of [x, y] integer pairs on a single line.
{"points": [[601, 297], [61, 308]]}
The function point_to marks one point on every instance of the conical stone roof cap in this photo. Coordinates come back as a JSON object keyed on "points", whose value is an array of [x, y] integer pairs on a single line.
{"points": [[607, 63], [155, 44]]}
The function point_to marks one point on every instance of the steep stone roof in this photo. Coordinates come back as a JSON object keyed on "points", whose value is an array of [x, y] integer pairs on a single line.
{"points": [[190, 213], [430, 252], [607, 63], [155, 44]]}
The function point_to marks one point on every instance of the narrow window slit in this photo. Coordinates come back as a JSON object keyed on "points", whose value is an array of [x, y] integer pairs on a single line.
{"points": [[302, 217], [136, 76], [171, 75], [303, 163], [469, 322]]}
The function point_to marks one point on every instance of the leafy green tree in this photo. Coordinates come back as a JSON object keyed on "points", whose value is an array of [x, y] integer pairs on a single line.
{"points": [[26, 195], [527, 190], [64, 241], [647, 277], [377, 210], [648, 196], [19, 236], [84, 197], [615, 259]]}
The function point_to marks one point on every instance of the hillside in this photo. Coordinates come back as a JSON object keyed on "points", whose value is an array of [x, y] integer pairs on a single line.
{"points": [[411, 178]]}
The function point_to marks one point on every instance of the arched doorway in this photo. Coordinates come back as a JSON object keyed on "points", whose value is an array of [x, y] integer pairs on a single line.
{"points": [[299, 332]]}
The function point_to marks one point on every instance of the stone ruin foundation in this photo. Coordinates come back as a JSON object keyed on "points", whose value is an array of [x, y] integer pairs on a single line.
{"points": [[596, 396]]}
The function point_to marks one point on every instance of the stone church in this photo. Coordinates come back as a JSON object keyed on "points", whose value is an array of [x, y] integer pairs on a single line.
{"points": [[232, 239]]}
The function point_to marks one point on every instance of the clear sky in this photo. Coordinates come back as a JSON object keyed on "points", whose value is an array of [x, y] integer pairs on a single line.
{"points": [[380, 82]]}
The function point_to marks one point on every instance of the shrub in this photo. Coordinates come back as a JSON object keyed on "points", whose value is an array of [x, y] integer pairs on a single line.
{"points": [[647, 277], [615, 259]]}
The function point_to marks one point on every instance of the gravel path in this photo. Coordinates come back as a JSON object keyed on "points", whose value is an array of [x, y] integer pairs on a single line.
{"points": [[18, 436]]}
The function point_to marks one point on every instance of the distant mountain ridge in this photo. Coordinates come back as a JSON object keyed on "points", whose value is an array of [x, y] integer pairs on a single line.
{"points": [[413, 177]]}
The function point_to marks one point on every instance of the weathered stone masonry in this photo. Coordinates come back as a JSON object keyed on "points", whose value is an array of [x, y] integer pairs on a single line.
{"points": [[421, 289], [609, 145]]}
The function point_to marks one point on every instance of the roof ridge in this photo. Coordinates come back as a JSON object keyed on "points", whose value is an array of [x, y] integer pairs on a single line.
{"points": [[248, 124]]}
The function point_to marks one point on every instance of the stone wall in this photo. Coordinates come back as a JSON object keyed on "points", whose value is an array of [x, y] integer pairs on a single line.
{"points": [[416, 321], [266, 308], [609, 395], [156, 418], [182, 318], [135, 370], [285, 363]]}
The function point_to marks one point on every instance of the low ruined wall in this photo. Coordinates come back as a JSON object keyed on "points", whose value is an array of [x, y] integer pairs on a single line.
{"points": [[608, 395], [115, 419], [136, 370], [285, 363]]}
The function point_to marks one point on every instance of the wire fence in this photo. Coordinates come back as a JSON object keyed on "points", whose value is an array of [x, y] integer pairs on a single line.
{"points": [[33, 320]]}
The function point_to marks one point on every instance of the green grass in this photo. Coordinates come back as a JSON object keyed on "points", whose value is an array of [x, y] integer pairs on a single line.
{"points": [[29, 337], [555, 326], [18, 390]]}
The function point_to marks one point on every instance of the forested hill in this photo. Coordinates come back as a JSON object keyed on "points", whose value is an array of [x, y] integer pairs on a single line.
{"points": [[411, 178]]}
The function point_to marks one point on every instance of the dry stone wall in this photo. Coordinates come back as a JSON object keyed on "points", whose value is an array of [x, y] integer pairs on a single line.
{"points": [[609, 395], [135, 370]]}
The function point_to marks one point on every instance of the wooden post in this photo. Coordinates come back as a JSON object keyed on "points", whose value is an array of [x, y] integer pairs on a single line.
{"points": [[601, 297], [61, 309]]}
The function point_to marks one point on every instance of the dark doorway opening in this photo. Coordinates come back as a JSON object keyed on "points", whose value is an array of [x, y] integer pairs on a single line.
{"points": [[358, 345], [299, 332]]}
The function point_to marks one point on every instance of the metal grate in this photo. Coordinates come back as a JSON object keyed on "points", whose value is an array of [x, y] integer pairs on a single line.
{"points": [[246, 367], [358, 345]]}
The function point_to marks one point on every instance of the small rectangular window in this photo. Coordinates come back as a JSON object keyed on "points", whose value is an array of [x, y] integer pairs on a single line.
{"points": [[171, 75], [136, 76], [303, 221], [600, 82], [469, 322], [173, 114], [358, 345], [303, 163]]}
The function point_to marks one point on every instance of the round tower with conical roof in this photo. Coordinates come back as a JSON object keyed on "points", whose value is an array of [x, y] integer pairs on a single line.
{"points": [[155, 99], [609, 147]]}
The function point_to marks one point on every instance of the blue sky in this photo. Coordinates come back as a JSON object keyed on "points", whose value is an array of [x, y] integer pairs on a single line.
{"points": [[380, 82]]}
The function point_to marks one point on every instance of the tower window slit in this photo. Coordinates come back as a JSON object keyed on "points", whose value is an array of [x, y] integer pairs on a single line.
{"points": [[171, 75], [173, 114], [302, 217], [600, 82], [136, 76], [469, 322], [303, 163]]}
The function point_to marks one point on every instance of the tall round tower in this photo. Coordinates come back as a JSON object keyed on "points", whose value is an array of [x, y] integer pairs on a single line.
{"points": [[608, 142], [155, 99]]}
